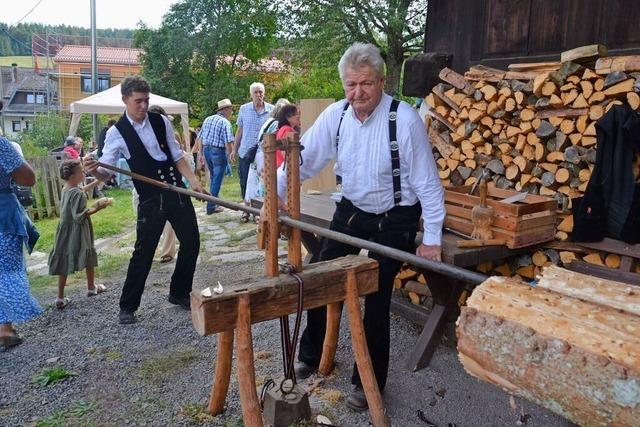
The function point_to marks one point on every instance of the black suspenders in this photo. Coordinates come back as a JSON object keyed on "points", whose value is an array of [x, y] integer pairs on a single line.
{"points": [[393, 145], [395, 152]]}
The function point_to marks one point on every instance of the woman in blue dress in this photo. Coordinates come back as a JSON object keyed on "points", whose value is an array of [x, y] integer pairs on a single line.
{"points": [[16, 230]]}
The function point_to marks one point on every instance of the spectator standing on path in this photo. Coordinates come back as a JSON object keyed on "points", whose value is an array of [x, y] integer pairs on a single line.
{"points": [[16, 231], [147, 142], [216, 140], [389, 181], [251, 117], [255, 186]]}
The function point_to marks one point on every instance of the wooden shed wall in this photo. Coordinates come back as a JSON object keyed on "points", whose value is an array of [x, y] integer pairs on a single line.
{"points": [[499, 32]]}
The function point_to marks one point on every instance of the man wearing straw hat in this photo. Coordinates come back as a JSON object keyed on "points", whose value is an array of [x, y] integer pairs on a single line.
{"points": [[147, 142], [216, 140]]}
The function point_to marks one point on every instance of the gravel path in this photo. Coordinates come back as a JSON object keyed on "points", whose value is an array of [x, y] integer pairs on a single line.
{"points": [[158, 372]]}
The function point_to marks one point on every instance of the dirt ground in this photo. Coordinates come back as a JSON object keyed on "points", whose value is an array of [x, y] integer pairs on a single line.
{"points": [[159, 371]]}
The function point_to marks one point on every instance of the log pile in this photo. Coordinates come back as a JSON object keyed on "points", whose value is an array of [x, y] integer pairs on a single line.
{"points": [[411, 285], [532, 127], [571, 344]]}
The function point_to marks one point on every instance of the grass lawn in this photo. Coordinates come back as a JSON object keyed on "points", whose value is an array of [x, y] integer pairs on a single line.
{"points": [[230, 189], [23, 61]]}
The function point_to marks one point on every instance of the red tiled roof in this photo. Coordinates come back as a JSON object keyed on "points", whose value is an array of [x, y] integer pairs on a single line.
{"points": [[106, 55]]}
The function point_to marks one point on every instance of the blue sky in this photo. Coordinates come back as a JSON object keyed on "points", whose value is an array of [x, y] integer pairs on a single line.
{"points": [[109, 13]]}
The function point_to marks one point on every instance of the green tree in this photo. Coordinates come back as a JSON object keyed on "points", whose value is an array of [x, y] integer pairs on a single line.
{"points": [[324, 28], [204, 48], [48, 131]]}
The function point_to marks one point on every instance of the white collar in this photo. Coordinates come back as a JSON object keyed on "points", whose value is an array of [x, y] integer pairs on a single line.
{"points": [[134, 123]]}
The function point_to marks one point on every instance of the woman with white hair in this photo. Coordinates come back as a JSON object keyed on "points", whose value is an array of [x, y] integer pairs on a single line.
{"points": [[255, 188]]}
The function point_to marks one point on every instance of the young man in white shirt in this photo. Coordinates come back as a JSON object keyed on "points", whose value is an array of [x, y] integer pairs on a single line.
{"points": [[147, 142], [389, 181]]}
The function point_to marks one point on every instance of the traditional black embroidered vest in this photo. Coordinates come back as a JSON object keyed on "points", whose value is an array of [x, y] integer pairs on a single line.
{"points": [[141, 162]]}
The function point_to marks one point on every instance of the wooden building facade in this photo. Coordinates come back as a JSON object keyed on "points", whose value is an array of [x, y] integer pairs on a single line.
{"points": [[500, 32]]}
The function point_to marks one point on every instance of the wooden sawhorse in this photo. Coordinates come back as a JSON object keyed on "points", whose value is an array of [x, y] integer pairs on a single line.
{"points": [[242, 304]]}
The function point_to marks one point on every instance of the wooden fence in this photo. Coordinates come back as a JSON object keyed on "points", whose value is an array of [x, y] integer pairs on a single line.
{"points": [[48, 188]]}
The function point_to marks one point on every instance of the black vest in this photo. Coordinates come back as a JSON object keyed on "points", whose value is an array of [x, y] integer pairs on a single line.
{"points": [[142, 163]]}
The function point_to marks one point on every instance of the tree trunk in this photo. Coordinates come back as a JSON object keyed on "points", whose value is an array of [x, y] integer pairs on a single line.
{"points": [[394, 71]]}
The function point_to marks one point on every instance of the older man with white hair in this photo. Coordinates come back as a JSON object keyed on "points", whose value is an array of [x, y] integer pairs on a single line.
{"points": [[389, 182], [251, 117]]}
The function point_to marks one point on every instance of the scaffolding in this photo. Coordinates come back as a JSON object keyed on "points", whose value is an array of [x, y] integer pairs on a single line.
{"points": [[69, 84]]}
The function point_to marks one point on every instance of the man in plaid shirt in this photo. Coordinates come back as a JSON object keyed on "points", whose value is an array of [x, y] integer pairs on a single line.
{"points": [[216, 140]]}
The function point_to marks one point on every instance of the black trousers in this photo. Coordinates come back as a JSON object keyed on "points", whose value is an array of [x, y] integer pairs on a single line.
{"points": [[153, 213], [396, 228]]}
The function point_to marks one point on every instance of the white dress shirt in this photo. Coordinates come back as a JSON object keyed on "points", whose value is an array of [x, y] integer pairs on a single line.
{"points": [[114, 144], [364, 161]]}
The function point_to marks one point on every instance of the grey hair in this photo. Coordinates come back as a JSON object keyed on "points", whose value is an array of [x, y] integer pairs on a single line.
{"points": [[359, 55], [278, 106], [135, 83], [254, 86]]}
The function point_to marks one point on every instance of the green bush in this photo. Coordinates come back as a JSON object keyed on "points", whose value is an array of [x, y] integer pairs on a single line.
{"points": [[48, 132]]}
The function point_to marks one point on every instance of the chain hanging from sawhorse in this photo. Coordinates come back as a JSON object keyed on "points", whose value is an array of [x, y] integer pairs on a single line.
{"points": [[326, 284]]}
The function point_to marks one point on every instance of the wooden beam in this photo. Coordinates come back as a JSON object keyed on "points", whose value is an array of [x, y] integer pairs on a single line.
{"points": [[361, 354], [330, 344], [251, 413], [604, 272], [509, 328], [323, 284], [591, 289], [220, 387]]}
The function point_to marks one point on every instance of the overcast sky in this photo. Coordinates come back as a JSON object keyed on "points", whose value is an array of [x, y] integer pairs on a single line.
{"points": [[109, 13]]}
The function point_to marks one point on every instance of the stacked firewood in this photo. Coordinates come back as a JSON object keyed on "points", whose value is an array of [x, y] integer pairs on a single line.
{"points": [[532, 128], [412, 285]]}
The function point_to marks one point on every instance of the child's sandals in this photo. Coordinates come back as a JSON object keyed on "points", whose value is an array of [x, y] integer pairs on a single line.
{"points": [[98, 289], [62, 302]]}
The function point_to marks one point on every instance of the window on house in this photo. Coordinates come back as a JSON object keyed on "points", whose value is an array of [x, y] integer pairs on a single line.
{"points": [[35, 98], [27, 125], [104, 83], [16, 126]]}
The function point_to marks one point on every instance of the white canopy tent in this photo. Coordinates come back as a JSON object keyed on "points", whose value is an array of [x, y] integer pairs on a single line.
{"points": [[110, 102]]}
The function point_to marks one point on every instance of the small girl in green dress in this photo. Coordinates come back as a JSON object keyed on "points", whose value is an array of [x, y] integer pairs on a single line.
{"points": [[74, 249]]}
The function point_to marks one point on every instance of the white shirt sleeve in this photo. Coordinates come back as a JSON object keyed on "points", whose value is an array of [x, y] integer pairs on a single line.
{"points": [[424, 181], [113, 147], [174, 146], [319, 148]]}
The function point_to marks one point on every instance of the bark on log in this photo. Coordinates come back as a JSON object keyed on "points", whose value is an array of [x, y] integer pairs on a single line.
{"points": [[576, 358]]}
